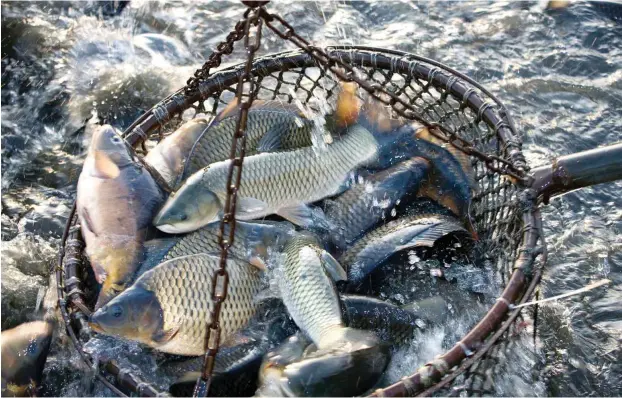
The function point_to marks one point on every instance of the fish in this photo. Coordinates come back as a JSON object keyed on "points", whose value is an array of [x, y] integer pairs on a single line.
{"points": [[168, 307], [270, 125], [348, 105], [116, 201], [299, 369], [363, 206], [239, 357], [393, 325], [252, 243], [420, 230], [280, 183], [306, 280], [24, 352], [306, 283], [451, 179], [238, 366], [171, 154]]}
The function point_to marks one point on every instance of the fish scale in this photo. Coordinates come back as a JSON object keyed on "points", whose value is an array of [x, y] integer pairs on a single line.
{"points": [[358, 209], [183, 287], [299, 176], [376, 246], [215, 144], [205, 240], [308, 292]]}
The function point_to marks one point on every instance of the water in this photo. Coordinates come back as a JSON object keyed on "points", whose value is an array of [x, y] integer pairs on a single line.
{"points": [[67, 66]]}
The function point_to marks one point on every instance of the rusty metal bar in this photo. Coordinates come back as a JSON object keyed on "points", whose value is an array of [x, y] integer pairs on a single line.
{"points": [[579, 170]]}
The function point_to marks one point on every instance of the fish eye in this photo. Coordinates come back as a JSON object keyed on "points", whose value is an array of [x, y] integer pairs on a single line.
{"points": [[116, 139], [116, 311], [183, 217]]}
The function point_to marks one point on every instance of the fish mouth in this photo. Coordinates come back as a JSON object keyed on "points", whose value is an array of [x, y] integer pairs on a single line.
{"points": [[171, 229], [95, 327]]}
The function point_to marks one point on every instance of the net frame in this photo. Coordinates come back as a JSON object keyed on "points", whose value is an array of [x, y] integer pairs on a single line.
{"points": [[504, 208]]}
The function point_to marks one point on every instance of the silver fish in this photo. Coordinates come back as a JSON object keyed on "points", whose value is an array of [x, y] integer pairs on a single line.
{"points": [[270, 125], [273, 183], [171, 154], [306, 282], [168, 307], [117, 199], [361, 207], [24, 352], [375, 247]]}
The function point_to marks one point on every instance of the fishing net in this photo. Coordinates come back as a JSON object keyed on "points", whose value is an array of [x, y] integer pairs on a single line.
{"points": [[463, 113]]}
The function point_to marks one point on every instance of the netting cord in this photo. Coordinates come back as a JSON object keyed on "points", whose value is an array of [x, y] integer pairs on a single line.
{"points": [[532, 236], [375, 90]]}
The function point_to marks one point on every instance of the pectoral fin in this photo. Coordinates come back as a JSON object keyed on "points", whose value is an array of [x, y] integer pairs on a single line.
{"points": [[104, 167], [304, 216], [248, 206], [431, 235], [165, 336], [271, 141], [332, 267]]}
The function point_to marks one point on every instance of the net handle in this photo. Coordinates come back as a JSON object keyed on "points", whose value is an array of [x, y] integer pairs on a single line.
{"points": [[578, 170]]}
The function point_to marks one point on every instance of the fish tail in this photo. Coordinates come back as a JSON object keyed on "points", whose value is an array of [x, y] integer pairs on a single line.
{"points": [[348, 105], [431, 235]]}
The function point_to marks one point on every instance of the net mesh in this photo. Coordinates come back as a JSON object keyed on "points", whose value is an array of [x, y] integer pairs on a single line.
{"points": [[495, 209], [438, 95]]}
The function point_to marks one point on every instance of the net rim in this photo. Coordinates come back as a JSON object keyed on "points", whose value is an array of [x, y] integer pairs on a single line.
{"points": [[72, 300]]}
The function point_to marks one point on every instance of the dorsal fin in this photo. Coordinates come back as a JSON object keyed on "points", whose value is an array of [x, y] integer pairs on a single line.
{"points": [[231, 106]]}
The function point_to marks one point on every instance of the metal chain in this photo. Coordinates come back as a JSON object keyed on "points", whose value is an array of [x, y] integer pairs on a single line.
{"points": [[215, 58], [376, 89], [245, 95]]}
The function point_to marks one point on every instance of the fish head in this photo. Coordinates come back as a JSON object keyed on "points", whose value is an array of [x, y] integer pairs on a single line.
{"points": [[24, 353], [189, 208], [109, 150], [135, 314]]}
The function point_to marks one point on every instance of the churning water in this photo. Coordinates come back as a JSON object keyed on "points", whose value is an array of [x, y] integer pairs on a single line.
{"points": [[67, 66]]}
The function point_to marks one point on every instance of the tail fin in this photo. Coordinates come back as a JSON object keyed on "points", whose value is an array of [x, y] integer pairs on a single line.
{"points": [[348, 105], [377, 118]]}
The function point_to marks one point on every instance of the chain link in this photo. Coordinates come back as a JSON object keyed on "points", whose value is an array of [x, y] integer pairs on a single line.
{"points": [[245, 95], [388, 98], [215, 58]]}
